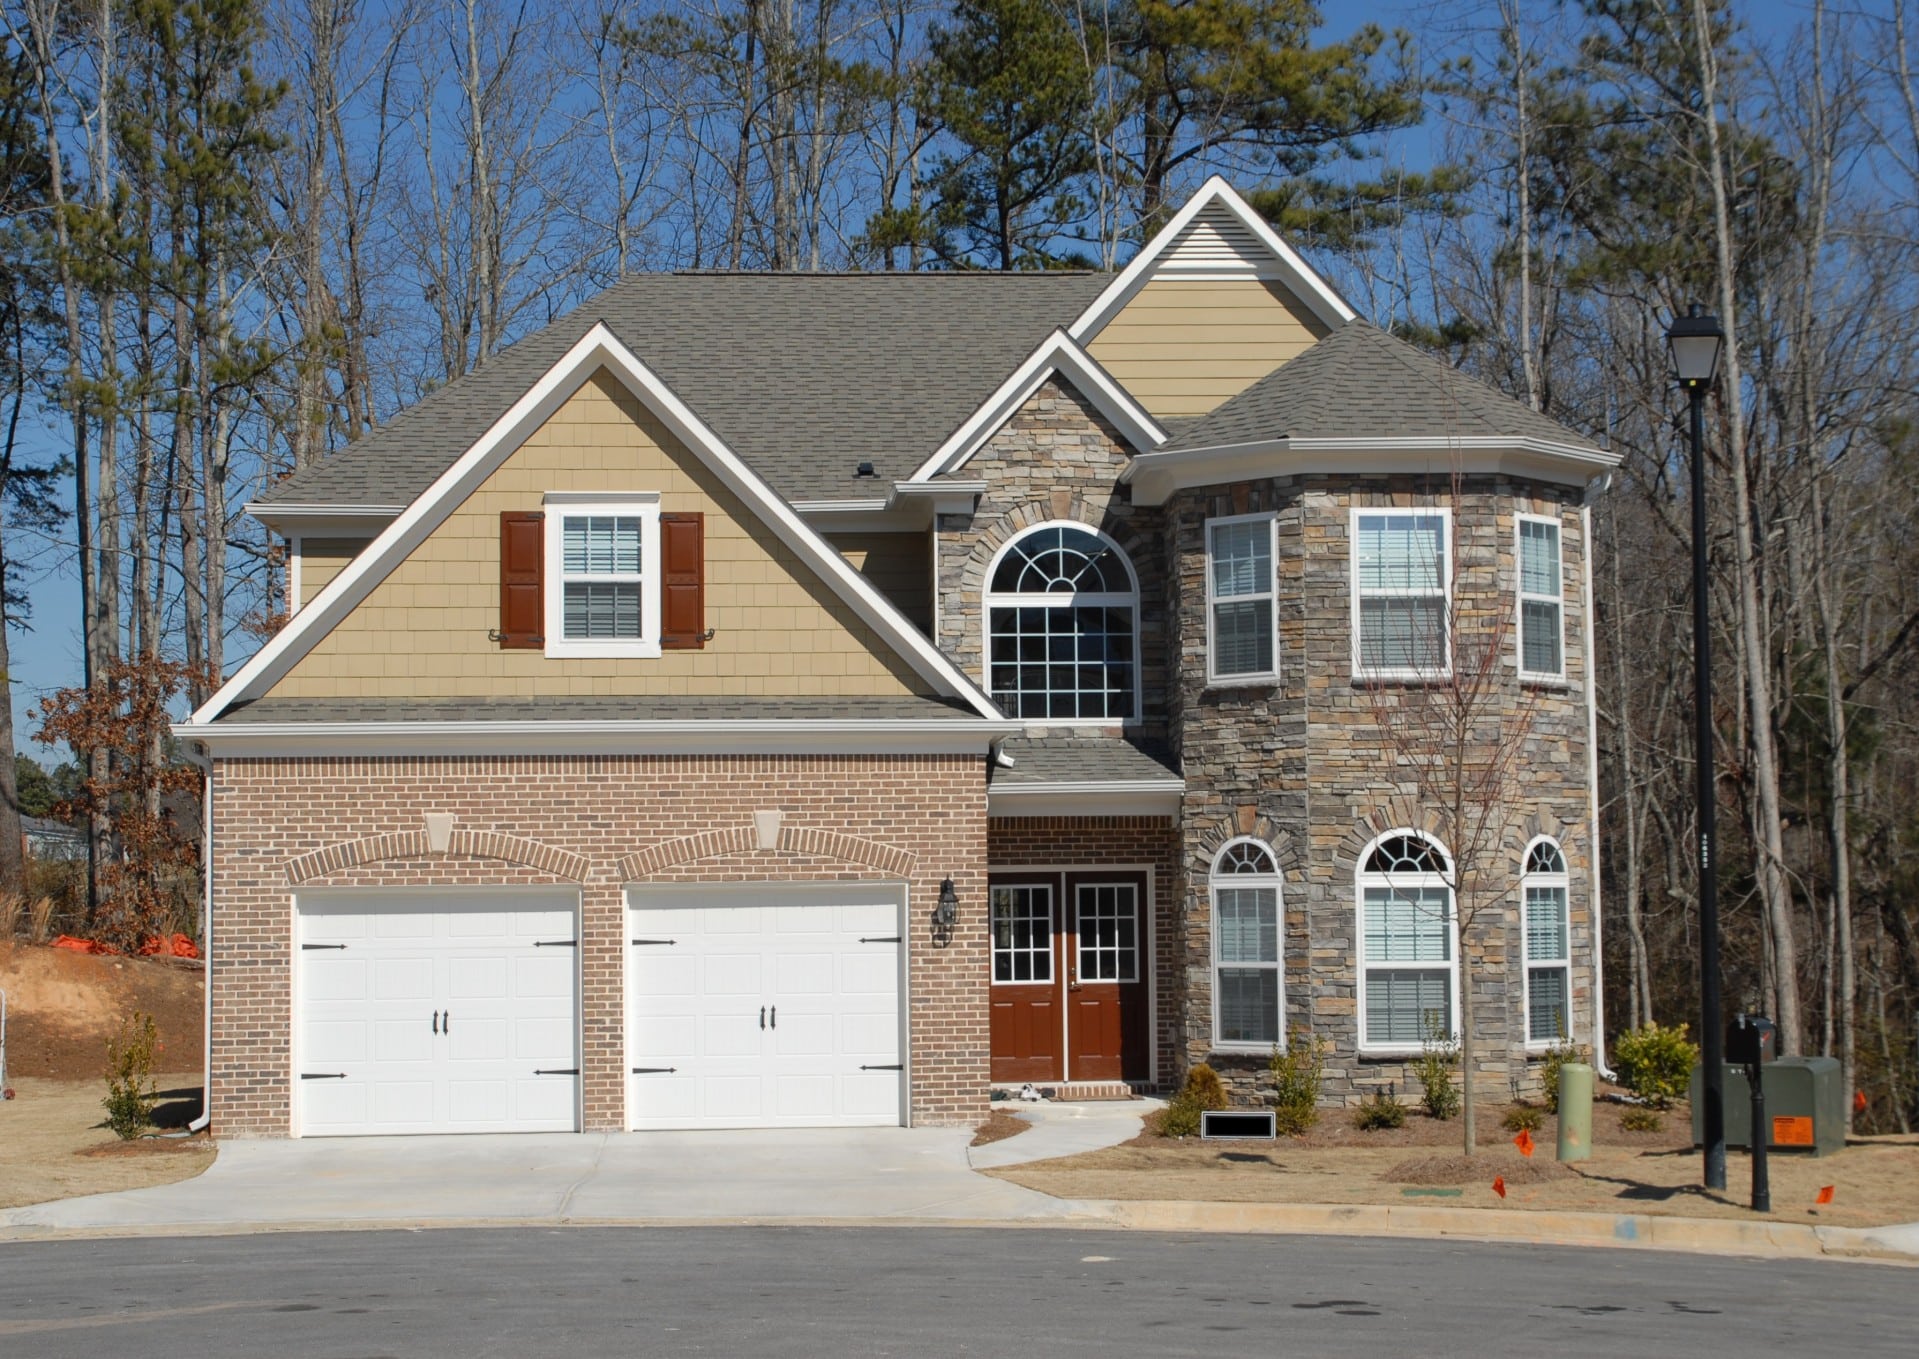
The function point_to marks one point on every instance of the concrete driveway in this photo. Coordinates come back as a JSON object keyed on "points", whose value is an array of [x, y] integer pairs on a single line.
{"points": [[809, 1175]]}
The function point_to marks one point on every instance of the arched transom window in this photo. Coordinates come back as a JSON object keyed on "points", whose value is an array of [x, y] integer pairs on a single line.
{"points": [[1062, 625], [1408, 982], [1248, 992], [1548, 945]]}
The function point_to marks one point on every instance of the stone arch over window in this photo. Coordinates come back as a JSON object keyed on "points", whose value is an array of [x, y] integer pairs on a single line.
{"points": [[1062, 626], [1249, 922], [1545, 923], [1408, 942]]}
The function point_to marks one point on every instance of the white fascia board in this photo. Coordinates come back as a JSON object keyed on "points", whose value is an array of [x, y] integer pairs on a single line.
{"points": [[1104, 797], [743, 736], [598, 348], [1155, 477], [325, 521], [1306, 284], [1057, 353]]}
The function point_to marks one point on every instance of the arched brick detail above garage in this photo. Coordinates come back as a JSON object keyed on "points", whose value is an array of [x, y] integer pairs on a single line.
{"points": [[800, 840], [474, 844]]}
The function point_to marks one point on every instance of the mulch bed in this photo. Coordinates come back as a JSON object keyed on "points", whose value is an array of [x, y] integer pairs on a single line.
{"points": [[999, 1126], [147, 1146], [1335, 1129]]}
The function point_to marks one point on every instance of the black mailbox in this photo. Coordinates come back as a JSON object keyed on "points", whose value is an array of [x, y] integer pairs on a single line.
{"points": [[1751, 1040]]}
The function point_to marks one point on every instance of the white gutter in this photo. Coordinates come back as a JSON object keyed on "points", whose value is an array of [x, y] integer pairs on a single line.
{"points": [[823, 736], [1092, 797], [1592, 793], [201, 758]]}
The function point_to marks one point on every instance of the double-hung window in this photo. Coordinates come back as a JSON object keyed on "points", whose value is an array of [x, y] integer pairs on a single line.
{"points": [[1401, 593], [1240, 597], [602, 575], [1407, 977], [1548, 945], [1248, 995], [1541, 600]]}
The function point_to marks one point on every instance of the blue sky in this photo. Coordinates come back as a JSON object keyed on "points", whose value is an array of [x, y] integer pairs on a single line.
{"points": [[48, 656]]}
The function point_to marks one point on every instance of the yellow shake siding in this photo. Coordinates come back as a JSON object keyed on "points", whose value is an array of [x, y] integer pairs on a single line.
{"points": [[1183, 346], [321, 559], [422, 632], [900, 566]]}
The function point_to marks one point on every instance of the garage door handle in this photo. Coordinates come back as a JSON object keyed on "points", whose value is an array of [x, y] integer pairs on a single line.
{"points": [[436, 1021], [556, 1071], [776, 1016], [762, 1016]]}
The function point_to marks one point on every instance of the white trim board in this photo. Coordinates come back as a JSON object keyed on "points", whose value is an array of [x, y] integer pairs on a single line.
{"points": [[1058, 353], [1216, 195], [598, 348]]}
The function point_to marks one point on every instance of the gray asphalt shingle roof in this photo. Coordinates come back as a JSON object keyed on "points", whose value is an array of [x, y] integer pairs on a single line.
{"points": [[1085, 758], [675, 708], [805, 376], [1361, 383]]}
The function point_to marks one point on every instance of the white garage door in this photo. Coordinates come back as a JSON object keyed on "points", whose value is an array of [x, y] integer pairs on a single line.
{"points": [[431, 1012], [772, 1005]]}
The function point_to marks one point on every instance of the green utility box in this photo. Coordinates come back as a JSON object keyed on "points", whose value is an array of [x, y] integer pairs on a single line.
{"points": [[1805, 1103]]}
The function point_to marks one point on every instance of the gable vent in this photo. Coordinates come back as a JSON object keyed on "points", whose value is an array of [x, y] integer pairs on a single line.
{"points": [[1216, 244]]}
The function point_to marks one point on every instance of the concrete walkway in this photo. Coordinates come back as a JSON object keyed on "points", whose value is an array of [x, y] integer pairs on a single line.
{"points": [[1063, 1130], [837, 1174]]}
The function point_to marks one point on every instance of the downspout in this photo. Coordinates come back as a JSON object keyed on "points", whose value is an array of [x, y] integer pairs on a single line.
{"points": [[1592, 775], [204, 759]]}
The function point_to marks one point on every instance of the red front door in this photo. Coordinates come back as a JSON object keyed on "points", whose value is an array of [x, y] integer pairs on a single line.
{"points": [[1068, 977]]}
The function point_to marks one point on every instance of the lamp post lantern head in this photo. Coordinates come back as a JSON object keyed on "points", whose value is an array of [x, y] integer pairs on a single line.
{"points": [[946, 915], [1695, 341]]}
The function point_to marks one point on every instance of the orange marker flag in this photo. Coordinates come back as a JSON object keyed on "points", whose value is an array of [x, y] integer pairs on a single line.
{"points": [[1825, 1195], [1499, 1186], [1524, 1142], [1859, 1101]]}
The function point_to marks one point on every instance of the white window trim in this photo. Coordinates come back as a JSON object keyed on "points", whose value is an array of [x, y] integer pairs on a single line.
{"points": [[1361, 881], [1562, 881], [641, 504], [1274, 880], [1039, 884], [1521, 596], [989, 600], [295, 550], [1265, 677], [1079, 936], [1445, 594]]}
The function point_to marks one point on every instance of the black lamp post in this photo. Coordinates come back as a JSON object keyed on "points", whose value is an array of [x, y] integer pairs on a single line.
{"points": [[1695, 341]]}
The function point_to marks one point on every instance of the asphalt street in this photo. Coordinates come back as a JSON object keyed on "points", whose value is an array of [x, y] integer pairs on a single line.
{"points": [[521, 1292]]}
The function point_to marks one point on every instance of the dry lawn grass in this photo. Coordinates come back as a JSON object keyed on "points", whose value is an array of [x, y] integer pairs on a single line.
{"points": [[1875, 1180], [54, 1143]]}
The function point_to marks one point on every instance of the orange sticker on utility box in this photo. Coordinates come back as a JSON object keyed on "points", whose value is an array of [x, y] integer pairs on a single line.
{"points": [[1792, 1132]]}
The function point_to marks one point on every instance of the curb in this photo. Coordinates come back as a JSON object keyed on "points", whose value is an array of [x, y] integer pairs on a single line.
{"points": [[1780, 1240]]}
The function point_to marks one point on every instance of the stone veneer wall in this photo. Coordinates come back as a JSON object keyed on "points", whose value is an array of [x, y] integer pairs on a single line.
{"points": [[1305, 764], [1106, 842], [594, 823], [1056, 458]]}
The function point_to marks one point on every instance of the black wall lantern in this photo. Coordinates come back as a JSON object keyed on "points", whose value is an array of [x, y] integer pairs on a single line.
{"points": [[946, 914]]}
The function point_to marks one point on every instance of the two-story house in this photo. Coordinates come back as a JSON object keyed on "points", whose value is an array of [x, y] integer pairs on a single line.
{"points": [[785, 699]]}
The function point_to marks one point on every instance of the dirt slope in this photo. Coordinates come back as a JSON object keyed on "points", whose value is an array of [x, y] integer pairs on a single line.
{"points": [[62, 1006]]}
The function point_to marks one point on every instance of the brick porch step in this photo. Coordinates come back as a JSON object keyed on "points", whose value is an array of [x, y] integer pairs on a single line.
{"points": [[1076, 1092]]}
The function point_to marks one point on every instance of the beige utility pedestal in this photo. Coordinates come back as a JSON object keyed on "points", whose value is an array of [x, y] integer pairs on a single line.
{"points": [[1575, 1111]]}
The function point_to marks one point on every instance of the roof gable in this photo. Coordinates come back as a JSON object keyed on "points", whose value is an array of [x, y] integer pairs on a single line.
{"points": [[597, 350]]}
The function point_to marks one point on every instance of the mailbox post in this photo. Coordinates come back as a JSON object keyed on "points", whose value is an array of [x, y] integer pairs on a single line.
{"points": [[1751, 1041]]}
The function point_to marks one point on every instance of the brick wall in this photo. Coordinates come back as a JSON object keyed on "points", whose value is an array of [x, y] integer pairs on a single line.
{"points": [[1104, 842], [593, 823]]}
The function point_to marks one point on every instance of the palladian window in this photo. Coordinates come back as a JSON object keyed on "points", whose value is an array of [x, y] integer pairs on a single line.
{"points": [[1248, 995], [1548, 945], [1408, 982]]}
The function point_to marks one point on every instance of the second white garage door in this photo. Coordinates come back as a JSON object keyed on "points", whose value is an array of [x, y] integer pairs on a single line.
{"points": [[765, 1006]]}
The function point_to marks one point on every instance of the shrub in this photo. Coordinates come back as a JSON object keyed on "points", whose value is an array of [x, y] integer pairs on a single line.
{"points": [[130, 1088], [1655, 1063], [1640, 1119], [1382, 1111], [1438, 1057], [1180, 1117], [1297, 1075], [1203, 1088], [1558, 1055], [1523, 1118]]}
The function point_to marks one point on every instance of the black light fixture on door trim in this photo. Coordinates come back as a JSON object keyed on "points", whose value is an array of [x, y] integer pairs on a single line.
{"points": [[946, 915]]}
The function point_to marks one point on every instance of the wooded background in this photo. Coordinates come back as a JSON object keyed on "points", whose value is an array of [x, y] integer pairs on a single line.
{"points": [[238, 233]]}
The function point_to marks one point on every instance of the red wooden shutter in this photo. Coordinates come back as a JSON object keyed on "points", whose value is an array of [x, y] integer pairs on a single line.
{"points": [[522, 579], [682, 581]]}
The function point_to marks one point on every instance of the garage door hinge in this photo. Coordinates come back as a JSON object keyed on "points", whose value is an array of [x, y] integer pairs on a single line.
{"points": [[653, 1070], [653, 941], [312, 947], [880, 939], [556, 943], [556, 1071], [323, 1075], [883, 1066]]}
